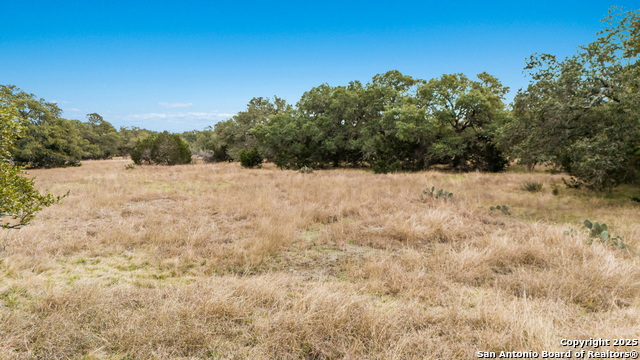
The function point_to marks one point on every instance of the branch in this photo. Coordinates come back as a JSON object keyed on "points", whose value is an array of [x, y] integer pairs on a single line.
{"points": [[16, 226]]}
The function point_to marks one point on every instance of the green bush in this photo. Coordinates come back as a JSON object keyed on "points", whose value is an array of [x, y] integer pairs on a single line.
{"points": [[532, 186], [250, 159], [20, 200], [161, 149]]}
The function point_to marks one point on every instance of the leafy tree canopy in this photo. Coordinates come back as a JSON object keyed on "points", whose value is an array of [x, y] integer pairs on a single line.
{"points": [[162, 149], [19, 200], [581, 114]]}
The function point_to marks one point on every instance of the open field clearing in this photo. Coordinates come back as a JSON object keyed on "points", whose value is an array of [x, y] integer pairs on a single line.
{"points": [[220, 262]]}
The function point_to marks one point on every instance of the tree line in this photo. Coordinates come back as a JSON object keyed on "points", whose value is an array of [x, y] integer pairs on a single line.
{"points": [[393, 123], [49, 140], [579, 115]]}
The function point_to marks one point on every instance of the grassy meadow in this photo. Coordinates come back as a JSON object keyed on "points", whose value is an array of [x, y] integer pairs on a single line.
{"points": [[215, 261]]}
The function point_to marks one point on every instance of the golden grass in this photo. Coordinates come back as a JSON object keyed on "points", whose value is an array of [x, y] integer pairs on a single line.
{"points": [[220, 262]]}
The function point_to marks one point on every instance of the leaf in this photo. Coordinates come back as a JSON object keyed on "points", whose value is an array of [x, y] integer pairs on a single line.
{"points": [[588, 224], [604, 236]]}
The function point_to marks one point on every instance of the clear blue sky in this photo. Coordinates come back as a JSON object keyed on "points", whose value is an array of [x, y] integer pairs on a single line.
{"points": [[183, 65]]}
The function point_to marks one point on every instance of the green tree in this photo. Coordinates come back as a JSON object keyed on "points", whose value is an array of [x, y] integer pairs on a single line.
{"points": [[163, 149], [466, 115], [55, 143], [19, 200], [394, 133], [323, 130], [129, 137], [208, 145], [190, 136], [394, 123], [344, 125], [581, 113], [289, 139], [236, 133], [102, 137], [47, 139]]}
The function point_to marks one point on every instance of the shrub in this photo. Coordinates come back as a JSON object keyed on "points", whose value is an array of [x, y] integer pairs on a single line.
{"points": [[20, 200], [532, 186], [305, 170], [162, 149], [250, 159]]}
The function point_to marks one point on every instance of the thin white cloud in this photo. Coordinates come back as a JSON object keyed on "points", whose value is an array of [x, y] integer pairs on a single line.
{"points": [[73, 110], [183, 115], [173, 105]]}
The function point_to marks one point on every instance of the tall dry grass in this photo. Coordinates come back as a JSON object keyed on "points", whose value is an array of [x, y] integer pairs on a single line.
{"points": [[216, 261]]}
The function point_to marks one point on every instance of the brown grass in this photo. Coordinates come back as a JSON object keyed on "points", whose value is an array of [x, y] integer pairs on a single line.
{"points": [[220, 262]]}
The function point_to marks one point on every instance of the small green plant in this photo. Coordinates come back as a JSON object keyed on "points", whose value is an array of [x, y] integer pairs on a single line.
{"points": [[555, 190], [130, 166], [250, 159], [601, 232], [438, 194], [503, 208], [532, 186], [305, 170], [635, 198]]}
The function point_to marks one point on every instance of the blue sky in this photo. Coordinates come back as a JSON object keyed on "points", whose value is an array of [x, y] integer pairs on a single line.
{"points": [[183, 65]]}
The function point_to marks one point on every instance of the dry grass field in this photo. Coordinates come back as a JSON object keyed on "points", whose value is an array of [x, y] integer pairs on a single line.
{"points": [[219, 262]]}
